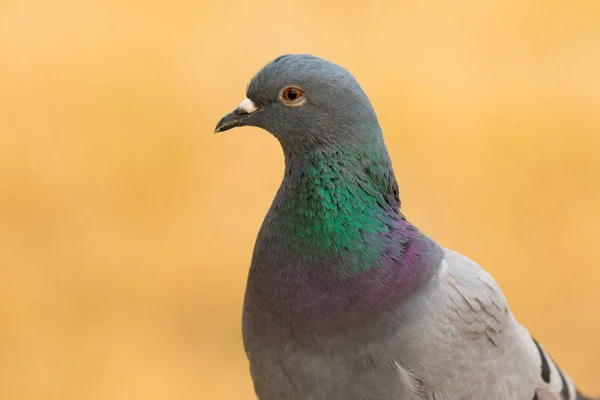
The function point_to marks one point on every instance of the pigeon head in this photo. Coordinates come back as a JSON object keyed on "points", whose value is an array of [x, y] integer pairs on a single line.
{"points": [[306, 102]]}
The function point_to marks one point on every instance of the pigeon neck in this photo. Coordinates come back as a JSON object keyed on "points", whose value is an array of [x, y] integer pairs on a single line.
{"points": [[337, 203], [334, 250]]}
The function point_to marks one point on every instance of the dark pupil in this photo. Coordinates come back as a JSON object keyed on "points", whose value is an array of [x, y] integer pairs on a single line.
{"points": [[292, 94]]}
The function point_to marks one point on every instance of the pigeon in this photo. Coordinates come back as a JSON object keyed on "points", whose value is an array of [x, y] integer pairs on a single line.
{"points": [[345, 298]]}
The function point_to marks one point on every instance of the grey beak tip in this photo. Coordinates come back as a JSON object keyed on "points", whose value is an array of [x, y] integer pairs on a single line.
{"points": [[238, 117], [230, 121], [221, 125]]}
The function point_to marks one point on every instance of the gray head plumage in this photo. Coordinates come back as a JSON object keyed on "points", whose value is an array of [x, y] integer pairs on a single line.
{"points": [[307, 102]]}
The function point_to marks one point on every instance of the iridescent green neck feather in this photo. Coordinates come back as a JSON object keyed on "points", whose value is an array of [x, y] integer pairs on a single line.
{"points": [[336, 205]]}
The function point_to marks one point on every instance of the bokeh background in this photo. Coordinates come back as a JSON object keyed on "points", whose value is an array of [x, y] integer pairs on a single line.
{"points": [[126, 226]]}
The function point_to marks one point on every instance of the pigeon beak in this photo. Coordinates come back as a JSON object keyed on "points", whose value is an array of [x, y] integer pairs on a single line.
{"points": [[237, 117]]}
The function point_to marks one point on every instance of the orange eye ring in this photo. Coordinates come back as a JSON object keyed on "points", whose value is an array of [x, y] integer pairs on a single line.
{"points": [[292, 95]]}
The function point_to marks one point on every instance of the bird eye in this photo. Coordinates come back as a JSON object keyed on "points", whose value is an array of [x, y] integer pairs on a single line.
{"points": [[292, 96]]}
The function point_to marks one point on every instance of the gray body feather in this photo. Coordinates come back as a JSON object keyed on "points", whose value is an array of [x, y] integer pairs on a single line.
{"points": [[455, 340]]}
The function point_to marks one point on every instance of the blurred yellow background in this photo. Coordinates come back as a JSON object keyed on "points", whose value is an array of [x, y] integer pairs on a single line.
{"points": [[126, 226]]}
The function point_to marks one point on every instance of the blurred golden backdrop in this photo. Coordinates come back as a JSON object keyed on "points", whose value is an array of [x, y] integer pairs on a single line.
{"points": [[127, 226]]}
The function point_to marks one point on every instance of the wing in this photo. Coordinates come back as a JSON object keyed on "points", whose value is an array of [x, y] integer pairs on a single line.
{"points": [[468, 345]]}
